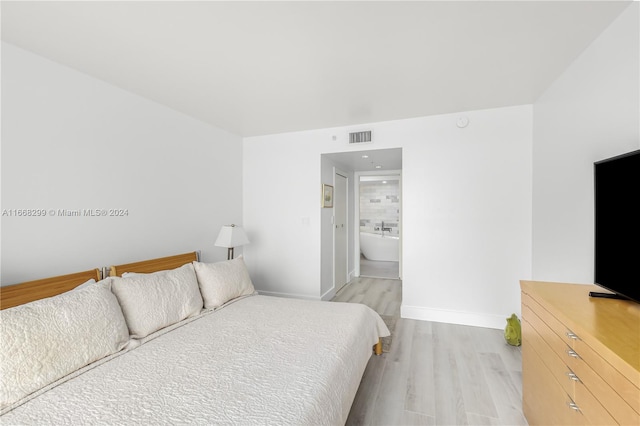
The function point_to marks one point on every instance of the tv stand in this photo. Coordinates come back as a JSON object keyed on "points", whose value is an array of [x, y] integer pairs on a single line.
{"points": [[607, 295], [580, 356]]}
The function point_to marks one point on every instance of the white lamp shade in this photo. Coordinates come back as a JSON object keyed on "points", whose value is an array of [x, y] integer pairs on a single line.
{"points": [[231, 236]]}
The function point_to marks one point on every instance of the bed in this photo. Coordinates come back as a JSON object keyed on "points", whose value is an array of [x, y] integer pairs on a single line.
{"points": [[251, 359]]}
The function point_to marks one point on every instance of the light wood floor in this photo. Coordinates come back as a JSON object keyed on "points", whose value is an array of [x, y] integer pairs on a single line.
{"points": [[377, 269], [382, 295], [435, 373]]}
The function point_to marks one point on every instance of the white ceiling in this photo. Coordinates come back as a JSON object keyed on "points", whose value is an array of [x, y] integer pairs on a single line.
{"points": [[367, 160], [256, 68]]}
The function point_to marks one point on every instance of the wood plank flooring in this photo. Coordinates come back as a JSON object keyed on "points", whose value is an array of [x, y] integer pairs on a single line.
{"points": [[435, 373], [378, 269], [382, 295]]}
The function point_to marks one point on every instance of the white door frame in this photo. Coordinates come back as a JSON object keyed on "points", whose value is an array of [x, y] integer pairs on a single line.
{"points": [[356, 218]]}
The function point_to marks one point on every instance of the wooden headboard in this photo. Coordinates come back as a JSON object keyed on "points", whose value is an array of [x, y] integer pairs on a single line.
{"points": [[154, 265], [18, 294]]}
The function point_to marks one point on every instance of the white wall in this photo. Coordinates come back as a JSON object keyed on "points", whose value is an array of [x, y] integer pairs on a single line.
{"points": [[380, 202], [70, 141], [590, 113], [466, 211], [281, 189]]}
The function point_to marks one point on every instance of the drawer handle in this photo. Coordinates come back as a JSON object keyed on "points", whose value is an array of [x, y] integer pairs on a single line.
{"points": [[572, 376], [573, 406], [572, 335], [572, 353]]}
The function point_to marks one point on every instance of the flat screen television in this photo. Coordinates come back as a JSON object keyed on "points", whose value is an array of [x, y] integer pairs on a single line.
{"points": [[617, 225]]}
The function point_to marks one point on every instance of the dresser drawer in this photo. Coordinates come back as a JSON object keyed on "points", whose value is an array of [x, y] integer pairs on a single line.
{"points": [[563, 333], [533, 330], [613, 391], [544, 400], [594, 413], [556, 343]]}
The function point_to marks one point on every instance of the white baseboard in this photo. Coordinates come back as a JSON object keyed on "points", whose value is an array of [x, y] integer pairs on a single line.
{"points": [[329, 294], [288, 295], [454, 317]]}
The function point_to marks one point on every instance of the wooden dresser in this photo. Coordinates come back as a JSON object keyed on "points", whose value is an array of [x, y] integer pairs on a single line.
{"points": [[580, 356]]}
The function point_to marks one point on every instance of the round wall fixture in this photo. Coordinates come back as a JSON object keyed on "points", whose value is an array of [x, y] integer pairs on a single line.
{"points": [[462, 121]]}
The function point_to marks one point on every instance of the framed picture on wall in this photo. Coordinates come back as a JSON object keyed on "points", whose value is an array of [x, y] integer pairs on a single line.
{"points": [[327, 196]]}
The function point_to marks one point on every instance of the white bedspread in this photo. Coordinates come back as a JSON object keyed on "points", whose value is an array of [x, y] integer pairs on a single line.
{"points": [[260, 360]]}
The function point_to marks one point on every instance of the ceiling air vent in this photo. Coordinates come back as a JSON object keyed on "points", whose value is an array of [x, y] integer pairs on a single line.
{"points": [[360, 137]]}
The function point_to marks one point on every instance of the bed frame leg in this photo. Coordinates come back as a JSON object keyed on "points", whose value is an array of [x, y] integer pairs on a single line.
{"points": [[378, 347]]}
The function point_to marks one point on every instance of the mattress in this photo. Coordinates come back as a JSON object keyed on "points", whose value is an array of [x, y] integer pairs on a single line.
{"points": [[260, 360]]}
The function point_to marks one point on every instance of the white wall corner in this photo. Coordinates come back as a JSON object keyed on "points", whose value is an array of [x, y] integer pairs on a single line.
{"points": [[453, 317]]}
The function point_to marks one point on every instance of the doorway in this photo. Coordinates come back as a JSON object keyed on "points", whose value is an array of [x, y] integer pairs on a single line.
{"points": [[379, 224], [337, 253]]}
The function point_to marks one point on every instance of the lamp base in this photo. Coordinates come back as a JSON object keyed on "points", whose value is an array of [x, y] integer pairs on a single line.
{"points": [[230, 253]]}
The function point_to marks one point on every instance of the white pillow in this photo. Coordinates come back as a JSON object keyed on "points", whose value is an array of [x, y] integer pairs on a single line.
{"points": [[156, 300], [223, 281], [45, 340], [85, 284]]}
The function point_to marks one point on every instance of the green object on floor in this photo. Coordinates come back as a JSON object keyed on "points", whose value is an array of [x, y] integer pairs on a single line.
{"points": [[513, 332]]}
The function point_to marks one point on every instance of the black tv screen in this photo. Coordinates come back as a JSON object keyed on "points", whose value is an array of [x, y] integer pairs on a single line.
{"points": [[617, 224]]}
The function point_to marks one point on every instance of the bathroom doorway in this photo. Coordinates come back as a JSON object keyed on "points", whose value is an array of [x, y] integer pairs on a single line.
{"points": [[379, 210], [352, 165]]}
